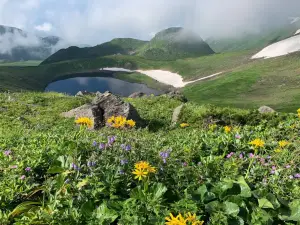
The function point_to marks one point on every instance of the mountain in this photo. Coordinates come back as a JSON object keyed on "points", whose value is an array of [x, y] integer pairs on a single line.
{"points": [[18, 45], [123, 46], [175, 43], [259, 40]]}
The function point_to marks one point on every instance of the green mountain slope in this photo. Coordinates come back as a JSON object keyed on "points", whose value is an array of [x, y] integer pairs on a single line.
{"points": [[124, 46], [175, 43]]}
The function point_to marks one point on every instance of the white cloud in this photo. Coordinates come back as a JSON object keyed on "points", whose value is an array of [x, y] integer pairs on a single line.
{"points": [[46, 27]]}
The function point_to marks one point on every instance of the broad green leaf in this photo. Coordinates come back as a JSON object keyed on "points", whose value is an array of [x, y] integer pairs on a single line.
{"points": [[23, 207], [158, 191], [214, 206], [245, 189], [231, 209], [104, 214], [265, 203], [87, 208], [294, 212], [273, 200], [55, 169]]}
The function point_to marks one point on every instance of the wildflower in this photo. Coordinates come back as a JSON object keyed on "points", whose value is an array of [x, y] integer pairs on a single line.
{"points": [[121, 172], [7, 152], [283, 143], [237, 136], [251, 155], [287, 166], [273, 171], [142, 170], [95, 143], [184, 125], [130, 123], [184, 164], [14, 167], [273, 167], [22, 177], [140, 174], [227, 129], [27, 169], [183, 220], [230, 154], [123, 161], [91, 164], [84, 121], [67, 181], [127, 148], [75, 167], [164, 155], [291, 176], [101, 146], [123, 146], [298, 111], [241, 156], [257, 143], [297, 175]]}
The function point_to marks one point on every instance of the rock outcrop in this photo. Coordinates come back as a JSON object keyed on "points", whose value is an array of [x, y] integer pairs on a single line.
{"points": [[137, 95], [266, 109], [104, 106]]}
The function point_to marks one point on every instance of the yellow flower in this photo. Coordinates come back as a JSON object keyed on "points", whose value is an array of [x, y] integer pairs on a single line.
{"points": [[183, 125], [180, 220], [143, 169], [283, 143], [84, 121], [278, 150], [227, 129], [298, 111], [111, 120], [257, 143], [140, 174], [130, 123]]}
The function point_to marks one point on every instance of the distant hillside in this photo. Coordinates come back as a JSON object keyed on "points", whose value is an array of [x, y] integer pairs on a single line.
{"points": [[175, 43], [124, 46], [18, 45], [249, 41]]}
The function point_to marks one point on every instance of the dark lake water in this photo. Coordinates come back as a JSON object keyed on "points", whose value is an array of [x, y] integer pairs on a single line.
{"points": [[93, 84]]}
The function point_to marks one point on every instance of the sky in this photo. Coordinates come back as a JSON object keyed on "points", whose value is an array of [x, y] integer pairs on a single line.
{"points": [[96, 21]]}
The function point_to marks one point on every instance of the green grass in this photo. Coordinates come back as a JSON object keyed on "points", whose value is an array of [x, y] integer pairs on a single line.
{"points": [[273, 82], [23, 63], [203, 172]]}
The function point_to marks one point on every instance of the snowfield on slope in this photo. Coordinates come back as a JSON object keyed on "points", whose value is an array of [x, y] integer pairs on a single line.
{"points": [[280, 48], [163, 76]]}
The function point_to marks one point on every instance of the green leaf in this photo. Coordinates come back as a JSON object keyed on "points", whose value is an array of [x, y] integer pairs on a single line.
{"points": [[87, 209], [273, 200], [202, 190], [158, 191], [231, 209], [294, 213], [245, 189], [23, 207], [265, 203], [214, 206], [55, 169], [105, 215]]}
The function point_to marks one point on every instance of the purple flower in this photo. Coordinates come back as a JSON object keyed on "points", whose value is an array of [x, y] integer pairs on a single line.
{"points": [[297, 175], [287, 166], [27, 169], [111, 139], [262, 160], [251, 155], [230, 154], [91, 164], [273, 167], [241, 156], [272, 171], [123, 146], [123, 161], [95, 143], [237, 136], [101, 146], [184, 164], [165, 154], [67, 181], [121, 172], [127, 148], [22, 177], [269, 157], [7, 152], [75, 167], [14, 167]]}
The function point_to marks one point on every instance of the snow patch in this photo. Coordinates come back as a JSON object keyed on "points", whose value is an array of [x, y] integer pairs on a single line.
{"points": [[297, 32], [280, 48]]}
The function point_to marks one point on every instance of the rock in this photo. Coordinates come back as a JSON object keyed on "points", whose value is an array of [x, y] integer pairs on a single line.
{"points": [[266, 109], [137, 95], [176, 114], [83, 93], [104, 106], [176, 94]]}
